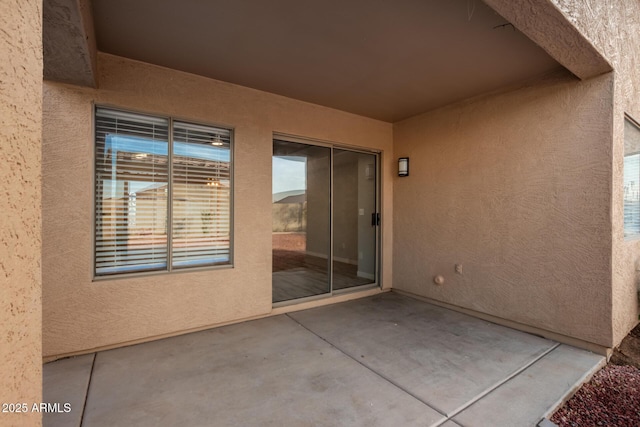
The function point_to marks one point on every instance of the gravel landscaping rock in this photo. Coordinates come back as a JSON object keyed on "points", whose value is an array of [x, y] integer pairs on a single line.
{"points": [[611, 398], [628, 352]]}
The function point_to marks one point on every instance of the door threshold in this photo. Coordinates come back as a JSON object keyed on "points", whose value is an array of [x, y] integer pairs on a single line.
{"points": [[321, 300]]}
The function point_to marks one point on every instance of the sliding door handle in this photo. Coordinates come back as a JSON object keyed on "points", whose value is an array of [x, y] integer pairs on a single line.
{"points": [[375, 219]]}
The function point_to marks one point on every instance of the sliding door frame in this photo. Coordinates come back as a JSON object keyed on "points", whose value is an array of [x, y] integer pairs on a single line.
{"points": [[378, 234]]}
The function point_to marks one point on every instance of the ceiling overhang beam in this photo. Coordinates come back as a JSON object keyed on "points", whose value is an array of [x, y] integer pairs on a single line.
{"points": [[69, 43], [551, 29]]}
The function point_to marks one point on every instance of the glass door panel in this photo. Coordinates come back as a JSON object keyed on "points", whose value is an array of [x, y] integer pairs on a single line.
{"points": [[301, 212], [355, 219]]}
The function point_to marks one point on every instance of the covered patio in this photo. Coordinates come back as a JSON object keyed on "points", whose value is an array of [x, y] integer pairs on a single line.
{"points": [[384, 360]]}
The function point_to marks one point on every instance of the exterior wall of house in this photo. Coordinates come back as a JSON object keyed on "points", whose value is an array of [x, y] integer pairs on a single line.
{"points": [[599, 316], [515, 187], [614, 29], [80, 314], [20, 219]]}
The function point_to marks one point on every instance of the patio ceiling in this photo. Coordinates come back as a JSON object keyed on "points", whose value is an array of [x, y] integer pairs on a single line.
{"points": [[383, 59]]}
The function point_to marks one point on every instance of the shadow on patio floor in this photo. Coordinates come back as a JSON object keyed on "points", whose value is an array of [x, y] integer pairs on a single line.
{"points": [[379, 361]]}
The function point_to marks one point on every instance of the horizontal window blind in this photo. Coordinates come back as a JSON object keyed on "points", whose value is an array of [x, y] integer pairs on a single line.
{"points": [[131, 188], [631, 190], [632, 195], [201, 207], [162, 193]]}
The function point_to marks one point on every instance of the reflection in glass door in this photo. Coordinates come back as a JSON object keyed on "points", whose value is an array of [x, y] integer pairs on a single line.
{"points": [[301, 220], [355, 219], [324, 235]]}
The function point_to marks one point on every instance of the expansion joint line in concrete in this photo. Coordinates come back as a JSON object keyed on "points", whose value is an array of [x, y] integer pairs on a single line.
{"points": [[496, 385], [389, 380], [447, 417], [86, 395]]}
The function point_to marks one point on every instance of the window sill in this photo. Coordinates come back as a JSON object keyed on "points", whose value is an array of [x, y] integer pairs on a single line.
{"points": [[161, 273]]}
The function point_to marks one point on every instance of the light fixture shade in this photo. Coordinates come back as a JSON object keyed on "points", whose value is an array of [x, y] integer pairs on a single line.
{"points": [[403, 166], [216, 141]]}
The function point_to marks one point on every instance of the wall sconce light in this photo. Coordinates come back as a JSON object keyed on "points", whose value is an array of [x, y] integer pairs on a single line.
{"points": [[403, 166]]}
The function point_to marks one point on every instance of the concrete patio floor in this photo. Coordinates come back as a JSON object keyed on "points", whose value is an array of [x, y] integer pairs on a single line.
{"points": [[387, 360]]}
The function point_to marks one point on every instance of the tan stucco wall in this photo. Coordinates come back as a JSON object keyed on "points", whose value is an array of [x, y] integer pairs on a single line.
{"points": [[516, 188], [79, 314], [547, 26], [69, 42], [613, 27], [20, 224]]}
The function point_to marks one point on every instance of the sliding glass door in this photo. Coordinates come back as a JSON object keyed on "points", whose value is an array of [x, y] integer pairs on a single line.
{"points": [[301, 220], [325, 220], [355, 219]]}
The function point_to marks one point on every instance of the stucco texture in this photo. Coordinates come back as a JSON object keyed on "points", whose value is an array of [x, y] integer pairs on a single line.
{"points": [[515, 187], [613, 27], [79, 314], [20, 223], [69, 42], [546, 25]]}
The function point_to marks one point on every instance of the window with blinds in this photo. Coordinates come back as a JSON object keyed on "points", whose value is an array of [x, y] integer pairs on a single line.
{"points": [[163, 194], [201, 195], [631, 191]]}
